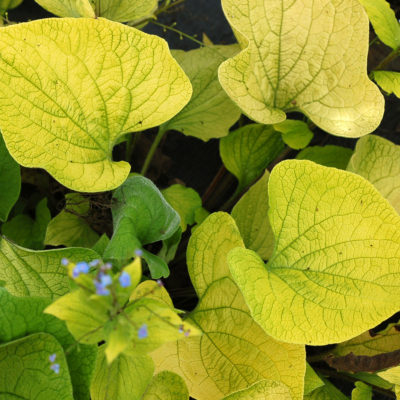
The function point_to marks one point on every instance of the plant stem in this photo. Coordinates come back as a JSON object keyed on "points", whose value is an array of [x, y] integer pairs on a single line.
{"points": [[130, 145], [153, 148], [180, 33], [388, 59]]}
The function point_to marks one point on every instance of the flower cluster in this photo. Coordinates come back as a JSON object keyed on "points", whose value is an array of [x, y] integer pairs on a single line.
{"points": [[54, 366]]}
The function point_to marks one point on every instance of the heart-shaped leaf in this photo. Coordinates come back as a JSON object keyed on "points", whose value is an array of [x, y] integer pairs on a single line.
{"points": [[233, 352], [71, 87], [337, 240], [306, 56]]}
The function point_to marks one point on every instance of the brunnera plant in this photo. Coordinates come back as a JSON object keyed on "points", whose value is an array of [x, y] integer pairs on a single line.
{"points": [[309, 254]]}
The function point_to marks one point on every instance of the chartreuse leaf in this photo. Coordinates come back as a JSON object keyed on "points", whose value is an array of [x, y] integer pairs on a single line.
{"points": [[392, 375], [337, 240], [263, 390], [330, 155], [384, 21], [389, 81], [247, 151], [378, 161], [37, 273], [10, 181], [361, 392], [369, 345], [311, 381], [68, 8], [185, 201], [210, 112], [296, 134], [251, 216], [141, 215], [69, 227], [326, 392], [25, 231], [77, 86], [317, 67], [125, 379], [25, 369], [166, 386], [233, 352], [22, 316]]}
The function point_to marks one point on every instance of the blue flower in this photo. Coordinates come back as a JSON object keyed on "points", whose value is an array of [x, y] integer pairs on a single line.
{"points": [[94, 263], [101, 283], [55, 368], [64, 261], [52, 357], [105, 280], [81, 267], [124, 279], [138, 252], [143, 332], [100, 289]]}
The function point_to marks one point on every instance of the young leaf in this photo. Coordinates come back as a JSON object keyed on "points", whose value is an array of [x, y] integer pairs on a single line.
{"points": [[26, 370], [185, 201], [69, 227], [330, 155], [25, 231], [337, 240], [166, 386], [77, 86], [210, 112], [37, 273], [317, 66], [247, 151], [296, 134], [361, 392], [389, 81], [369, 345], [10, 181], [141, 215], [251, 216], [263, 390], [384, 21], [311, 381], [326, 392], [125, 379], [233, 351], [378, 161], [21, 316]]}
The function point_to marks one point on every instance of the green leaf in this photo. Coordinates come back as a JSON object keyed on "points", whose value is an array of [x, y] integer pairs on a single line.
{"points": [[125, 379], [372, 379], [251, 216], [101, 245], [263, 390], [337, 240], [361, 392], [77, 86], [68, 8], [378, 160], [389, 81], [296, 134], [141, 216], [69, 227], [318, 66], [170, 246], [37, 273], [370, 345], [166, 386], [22, 316], [25, 370], [330, 155], [247, 151], [125, 10], [8, 5], [10, 181], [233, 351], [326, 392], [210, 112], [384, 21], [311, 381], [25, 231], [185, 201]]}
